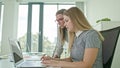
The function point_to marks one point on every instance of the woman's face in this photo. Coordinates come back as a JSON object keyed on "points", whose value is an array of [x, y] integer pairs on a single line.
{"points": [[60, 20], [68, 24]]}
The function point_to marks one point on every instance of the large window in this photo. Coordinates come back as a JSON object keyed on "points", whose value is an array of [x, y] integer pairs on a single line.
{"points": [[48, 32], [22, 25], [50, 27], [35, 27]]}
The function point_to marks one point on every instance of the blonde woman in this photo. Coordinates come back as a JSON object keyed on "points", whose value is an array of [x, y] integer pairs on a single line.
{"points": [[62, 37], [62, 34], [85, 43]]}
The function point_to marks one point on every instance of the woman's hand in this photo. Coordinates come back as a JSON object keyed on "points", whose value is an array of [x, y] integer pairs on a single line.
{"points": [[46, 57], [52, 63]]}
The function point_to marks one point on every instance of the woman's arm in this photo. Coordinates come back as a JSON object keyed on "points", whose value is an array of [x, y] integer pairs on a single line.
{"points": [[58, 51], [88, 60], [65, 59], [45, 57], [59, 47]]}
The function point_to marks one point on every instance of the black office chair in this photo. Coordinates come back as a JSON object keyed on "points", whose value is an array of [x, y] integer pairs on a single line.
{"points": [[109, 45]]}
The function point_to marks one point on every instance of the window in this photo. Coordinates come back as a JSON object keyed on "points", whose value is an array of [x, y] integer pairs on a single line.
{"points": [[22, 25], [50, 27], [41, 29], [35, 27]]}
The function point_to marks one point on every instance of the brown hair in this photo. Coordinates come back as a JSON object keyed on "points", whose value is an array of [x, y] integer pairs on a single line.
{"points": [[61, 11], [79, 20], [61, 30]]}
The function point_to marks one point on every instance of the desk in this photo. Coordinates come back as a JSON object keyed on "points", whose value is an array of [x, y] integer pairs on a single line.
{"points": [[5, 63]]}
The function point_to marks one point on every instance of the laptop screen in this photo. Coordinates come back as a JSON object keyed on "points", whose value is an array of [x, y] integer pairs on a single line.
{"points": [[16, 51]]}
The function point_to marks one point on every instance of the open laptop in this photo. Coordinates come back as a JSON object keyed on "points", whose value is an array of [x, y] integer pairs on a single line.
{"points": [[18, 60]]}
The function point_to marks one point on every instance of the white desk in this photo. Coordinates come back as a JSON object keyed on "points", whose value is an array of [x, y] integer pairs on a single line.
{"points": [[5, 63]]}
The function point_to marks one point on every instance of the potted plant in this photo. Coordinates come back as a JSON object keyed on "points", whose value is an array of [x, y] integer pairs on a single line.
{"points": [[103, 19]]}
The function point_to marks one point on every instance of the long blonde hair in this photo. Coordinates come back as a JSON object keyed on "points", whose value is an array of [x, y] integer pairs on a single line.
{"points": [[61, 30], [79, 20]]}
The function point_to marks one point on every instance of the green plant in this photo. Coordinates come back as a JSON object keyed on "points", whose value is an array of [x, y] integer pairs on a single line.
{"points": [[103, 19]]}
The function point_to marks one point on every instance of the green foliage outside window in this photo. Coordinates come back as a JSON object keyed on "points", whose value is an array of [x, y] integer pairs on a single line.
{"points": [[47, 45]]}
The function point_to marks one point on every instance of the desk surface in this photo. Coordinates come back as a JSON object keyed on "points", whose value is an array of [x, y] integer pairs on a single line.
{"points": [[5, 63]]}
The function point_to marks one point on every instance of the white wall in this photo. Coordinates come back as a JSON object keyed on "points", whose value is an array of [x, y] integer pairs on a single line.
{"points": [[9, 27], [97, 9]]}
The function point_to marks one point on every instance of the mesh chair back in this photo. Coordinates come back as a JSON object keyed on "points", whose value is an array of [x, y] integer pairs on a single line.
{"points": [[109, 45]]}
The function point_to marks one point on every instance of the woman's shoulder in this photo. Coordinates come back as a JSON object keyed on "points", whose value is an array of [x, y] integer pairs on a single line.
{"points": [[91, 31]]}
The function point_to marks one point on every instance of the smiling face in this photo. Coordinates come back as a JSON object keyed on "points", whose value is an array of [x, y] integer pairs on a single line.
{"points": [[60, 20], [69, 24]]}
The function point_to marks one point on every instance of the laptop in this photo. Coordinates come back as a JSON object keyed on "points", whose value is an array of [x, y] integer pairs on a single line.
{"points": [[18, 60]]}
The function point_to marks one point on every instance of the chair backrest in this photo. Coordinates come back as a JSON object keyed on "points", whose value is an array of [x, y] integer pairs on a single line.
{"points": [[109, 45]]}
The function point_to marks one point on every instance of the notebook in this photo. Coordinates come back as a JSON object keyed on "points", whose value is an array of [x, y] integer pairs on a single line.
{"points": [[18, 60]]}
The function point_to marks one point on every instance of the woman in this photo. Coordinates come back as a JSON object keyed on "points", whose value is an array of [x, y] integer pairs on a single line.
{"points": [[85, 43], [62, 34]]}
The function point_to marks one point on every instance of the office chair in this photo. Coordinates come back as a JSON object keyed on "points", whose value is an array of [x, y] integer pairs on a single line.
{"points": [[109, 45]]}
